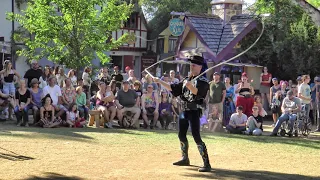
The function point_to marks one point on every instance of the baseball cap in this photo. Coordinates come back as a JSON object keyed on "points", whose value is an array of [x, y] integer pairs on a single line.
{"points": [[274, 79], [126, 82], [128, 68], [299, 78], [216, 73], [317, 79]]}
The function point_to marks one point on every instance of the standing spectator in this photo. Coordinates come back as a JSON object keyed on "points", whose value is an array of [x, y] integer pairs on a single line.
{"points": [[132, 78], [45, 76], [68, 94], [217, 93], [284, 89], [117, 76], [73, 77], [36, 95], [126, 100], [61, 77], [265, 80], [314, 87], [150, 107], [254, 123], [173, 79], [165, 110], [104, 75], [245, 99], [56, 96], [229, 107], [34, 72], [86, 81], [299, 80], [8, 78], [126, 74], [235, 87], [304, 93], [238, 122], [274, 101], [23, 99], [81, 101], [148, 82], [317, 105], [276, 106]]}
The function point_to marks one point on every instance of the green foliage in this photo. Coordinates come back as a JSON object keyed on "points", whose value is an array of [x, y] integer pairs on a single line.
{"points": [[289, 46], [160, 11], [315, 3], [76, 34]]}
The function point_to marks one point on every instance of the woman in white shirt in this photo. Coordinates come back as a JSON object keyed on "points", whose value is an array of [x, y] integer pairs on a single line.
{"points": [[304, 93]]}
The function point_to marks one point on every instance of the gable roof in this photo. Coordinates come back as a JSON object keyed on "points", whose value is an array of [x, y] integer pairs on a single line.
{"points": [[214, 34]]}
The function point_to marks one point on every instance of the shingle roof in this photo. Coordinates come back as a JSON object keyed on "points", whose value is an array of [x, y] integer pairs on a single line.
{"points": [[214, 34]]}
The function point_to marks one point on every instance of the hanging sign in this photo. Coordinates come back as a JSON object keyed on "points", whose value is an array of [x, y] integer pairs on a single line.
{"points": [[176, 26]]}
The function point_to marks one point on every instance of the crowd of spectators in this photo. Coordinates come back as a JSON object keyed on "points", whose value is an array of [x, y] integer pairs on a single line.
{"points": [[60, 99]]}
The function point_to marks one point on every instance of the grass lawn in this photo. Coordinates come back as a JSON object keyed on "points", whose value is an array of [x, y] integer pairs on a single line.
{"points": [[36, 153]]}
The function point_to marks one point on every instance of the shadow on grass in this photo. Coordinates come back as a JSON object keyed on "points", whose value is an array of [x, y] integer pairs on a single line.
{"points": [[75, 134], [12, 156], [245, 175], [53, 176]]}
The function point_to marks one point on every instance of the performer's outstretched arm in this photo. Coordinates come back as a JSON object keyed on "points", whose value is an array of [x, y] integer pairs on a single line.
{"points": [[164, 84]]}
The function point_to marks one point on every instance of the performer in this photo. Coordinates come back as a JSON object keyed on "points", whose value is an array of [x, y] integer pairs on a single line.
{"points": [[192, 96]]}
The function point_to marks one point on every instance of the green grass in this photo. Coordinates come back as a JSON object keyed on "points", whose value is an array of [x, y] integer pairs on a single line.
{"points": [[63, 153]]}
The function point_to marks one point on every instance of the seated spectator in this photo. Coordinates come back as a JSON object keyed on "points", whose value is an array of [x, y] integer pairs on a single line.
{"points": [[23, 99], [165, 110], [165, 78], [68, 93], [105, 104], [113, 86], [36, 94], [45, 76], [132, 78], [215, 120], [238, 120], [150, 107], [126, 100], [6, 101], [149, 81], [137, 88], [73, 118], [55, 94], [47, 111], [290, 107], [173, 79], [258, 103], [254, 123], [81, 102]]}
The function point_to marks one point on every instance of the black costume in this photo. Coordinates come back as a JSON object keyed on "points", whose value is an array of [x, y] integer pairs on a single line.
{"points": [[192, 111]]}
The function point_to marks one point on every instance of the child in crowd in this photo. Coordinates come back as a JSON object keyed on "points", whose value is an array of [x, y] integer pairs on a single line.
{"points": [[165, 110], [73, 117], [258, 103], [215, 121]]}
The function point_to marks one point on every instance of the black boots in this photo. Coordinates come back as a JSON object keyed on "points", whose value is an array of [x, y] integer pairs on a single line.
{"points": [[204, 154], [185, 159]]}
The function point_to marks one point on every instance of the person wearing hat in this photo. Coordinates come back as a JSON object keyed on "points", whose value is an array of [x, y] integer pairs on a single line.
{"points": [[192, 99], [217, 94], [291, 105], [299, 80], [126, 74], [117, 76], [33, 72]]}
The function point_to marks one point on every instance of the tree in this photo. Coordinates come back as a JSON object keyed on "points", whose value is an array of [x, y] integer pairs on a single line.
{"points": [[315, 3], [289, 46], [71, 32]]}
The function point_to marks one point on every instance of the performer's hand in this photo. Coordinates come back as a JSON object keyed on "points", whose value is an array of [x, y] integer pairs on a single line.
{"points": [[156, 80], [189, 84]]}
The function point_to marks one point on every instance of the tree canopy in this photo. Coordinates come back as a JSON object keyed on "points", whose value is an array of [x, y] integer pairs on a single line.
{"points": [[315, 3], [71, 32], [290, 44]]}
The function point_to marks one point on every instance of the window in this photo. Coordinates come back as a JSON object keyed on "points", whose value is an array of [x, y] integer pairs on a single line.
{"points": [[160, 46], [172, 44], [132, 21]]}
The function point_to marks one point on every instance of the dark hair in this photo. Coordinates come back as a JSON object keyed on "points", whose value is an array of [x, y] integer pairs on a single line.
{"points": [[65, 81], [71, 106], [43, 100], [69, 73], [113, 82], [87, 69], [56, 70], [240, 108]]}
